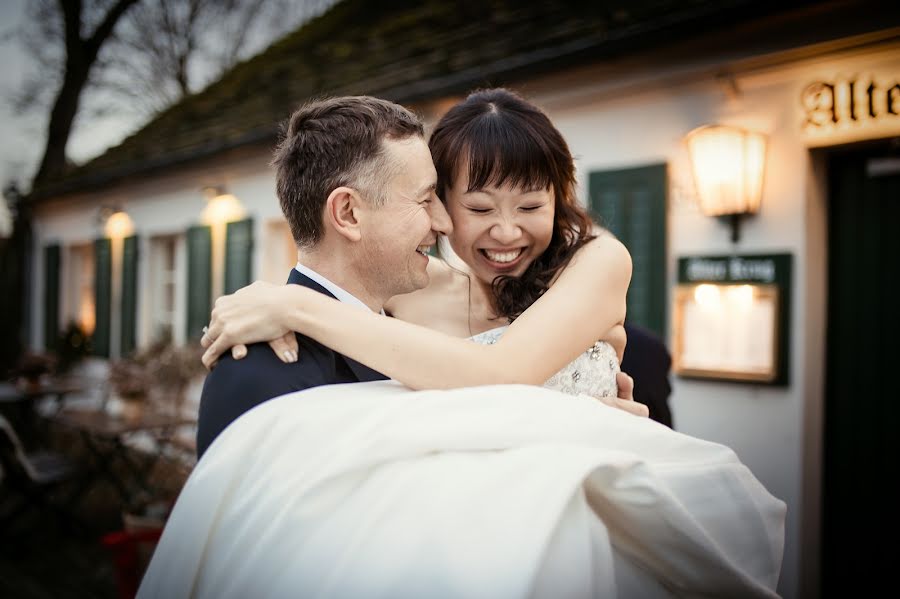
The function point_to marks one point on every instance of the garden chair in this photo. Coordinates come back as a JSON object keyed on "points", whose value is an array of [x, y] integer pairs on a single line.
{"points": [[34, 477]]}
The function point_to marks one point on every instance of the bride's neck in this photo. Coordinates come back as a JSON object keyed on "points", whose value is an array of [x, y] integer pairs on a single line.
{"points": [[483, 308]]}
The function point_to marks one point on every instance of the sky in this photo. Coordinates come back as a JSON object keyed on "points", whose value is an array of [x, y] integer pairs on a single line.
{"points": [[23, 135]]}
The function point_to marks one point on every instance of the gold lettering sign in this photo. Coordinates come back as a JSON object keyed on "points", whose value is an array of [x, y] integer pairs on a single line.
{"points": [[850, 109]]}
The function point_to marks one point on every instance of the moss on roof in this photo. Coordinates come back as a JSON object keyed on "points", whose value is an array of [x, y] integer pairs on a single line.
{"points": [[403, 50]]}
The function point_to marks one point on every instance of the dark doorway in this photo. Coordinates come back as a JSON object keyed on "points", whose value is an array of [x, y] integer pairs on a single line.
{"points": [[862, 396]]}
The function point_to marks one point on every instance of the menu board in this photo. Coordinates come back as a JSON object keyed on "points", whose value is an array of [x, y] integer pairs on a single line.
{"points": [[731, 318], [726, 331]]}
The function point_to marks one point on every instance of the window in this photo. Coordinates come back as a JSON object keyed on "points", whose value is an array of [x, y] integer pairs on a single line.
{"points": [[163, 287], [78, 292]]}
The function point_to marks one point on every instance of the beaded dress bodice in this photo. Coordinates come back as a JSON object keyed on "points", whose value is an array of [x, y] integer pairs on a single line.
{"points": [[592, 373]]}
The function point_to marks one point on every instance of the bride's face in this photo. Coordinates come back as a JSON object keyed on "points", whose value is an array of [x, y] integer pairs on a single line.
{"points": [[499, 230]]}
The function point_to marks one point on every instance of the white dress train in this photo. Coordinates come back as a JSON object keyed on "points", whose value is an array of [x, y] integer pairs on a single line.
{"points": [[373, 490]]}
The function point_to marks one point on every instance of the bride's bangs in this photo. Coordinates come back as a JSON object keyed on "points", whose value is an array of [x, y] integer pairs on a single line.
{"points": [[499, 153]]}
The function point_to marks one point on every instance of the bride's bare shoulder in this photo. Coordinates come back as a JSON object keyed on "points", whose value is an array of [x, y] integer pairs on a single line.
{"points": [[604, 248]]}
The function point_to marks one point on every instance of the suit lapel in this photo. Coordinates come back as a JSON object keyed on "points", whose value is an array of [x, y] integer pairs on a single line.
{"points": [[362, 372]]}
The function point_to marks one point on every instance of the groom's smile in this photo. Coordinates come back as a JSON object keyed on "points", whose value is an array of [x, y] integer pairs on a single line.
{"points": [[400, 233]]}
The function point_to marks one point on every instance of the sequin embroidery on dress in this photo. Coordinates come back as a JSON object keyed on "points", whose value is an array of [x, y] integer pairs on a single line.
{"points": [[592, 373]]}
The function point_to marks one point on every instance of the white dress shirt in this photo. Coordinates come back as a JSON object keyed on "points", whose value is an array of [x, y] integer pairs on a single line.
{"points": [[338, 292]]}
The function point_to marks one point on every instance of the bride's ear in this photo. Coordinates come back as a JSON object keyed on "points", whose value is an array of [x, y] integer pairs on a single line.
{"points": [[342, 212]]}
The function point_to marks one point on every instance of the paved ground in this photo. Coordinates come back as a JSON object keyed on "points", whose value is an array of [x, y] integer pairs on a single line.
{"points": [[44, 557], [39, 559]]}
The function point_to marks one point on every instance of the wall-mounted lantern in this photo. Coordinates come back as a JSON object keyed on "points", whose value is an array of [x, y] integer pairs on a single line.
{"points": [[728, 165], [118, 225], [221, 207]]}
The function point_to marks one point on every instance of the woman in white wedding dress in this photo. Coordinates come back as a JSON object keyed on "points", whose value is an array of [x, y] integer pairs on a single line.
{"points": [[469, 479]]}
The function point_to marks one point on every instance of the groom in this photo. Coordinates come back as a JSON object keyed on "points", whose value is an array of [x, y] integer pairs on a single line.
{"points": [[352, 175]]}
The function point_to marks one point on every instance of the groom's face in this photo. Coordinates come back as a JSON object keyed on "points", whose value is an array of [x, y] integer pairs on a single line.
{"points": [[399, 233]]}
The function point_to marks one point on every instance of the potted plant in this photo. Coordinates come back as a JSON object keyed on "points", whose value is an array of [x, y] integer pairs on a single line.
{"points": [[159, 373], [130, 379], [173, 368], [72, 346]]}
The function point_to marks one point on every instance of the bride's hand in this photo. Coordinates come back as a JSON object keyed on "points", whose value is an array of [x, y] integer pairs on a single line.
{"points": [[625, 400], [250, 315]]}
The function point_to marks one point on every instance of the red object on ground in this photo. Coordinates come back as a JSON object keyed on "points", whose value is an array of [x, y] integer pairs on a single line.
{"points": [[125, 546]]}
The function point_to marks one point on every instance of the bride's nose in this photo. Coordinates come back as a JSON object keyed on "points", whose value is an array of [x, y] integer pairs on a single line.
{"points": [[506, 231]]}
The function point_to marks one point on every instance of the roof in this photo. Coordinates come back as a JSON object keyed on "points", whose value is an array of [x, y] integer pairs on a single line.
{"points": [[404, 50]]}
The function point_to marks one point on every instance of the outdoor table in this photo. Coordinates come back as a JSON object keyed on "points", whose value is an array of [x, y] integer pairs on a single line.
{"points": [[104, 436], [13, 393], [19, 402]]}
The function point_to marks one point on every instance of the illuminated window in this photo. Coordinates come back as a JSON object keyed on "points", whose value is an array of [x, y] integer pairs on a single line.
{"points": [[79, 287]]}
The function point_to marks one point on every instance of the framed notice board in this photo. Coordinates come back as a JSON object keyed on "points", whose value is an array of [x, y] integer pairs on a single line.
{"points": [[731, 318]]}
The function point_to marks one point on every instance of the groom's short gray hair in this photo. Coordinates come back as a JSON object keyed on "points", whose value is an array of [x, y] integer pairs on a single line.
{"points": [[331, 143]]}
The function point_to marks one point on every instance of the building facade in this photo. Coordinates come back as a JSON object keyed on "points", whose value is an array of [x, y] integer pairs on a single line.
{"points": [[828, 107]]}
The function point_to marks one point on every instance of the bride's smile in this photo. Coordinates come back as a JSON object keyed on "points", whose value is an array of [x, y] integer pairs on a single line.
{"points": [[499, 230]]}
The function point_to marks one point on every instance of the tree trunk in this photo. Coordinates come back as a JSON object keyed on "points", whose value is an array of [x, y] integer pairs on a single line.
{"points": [[53, 165], [80, 56]]}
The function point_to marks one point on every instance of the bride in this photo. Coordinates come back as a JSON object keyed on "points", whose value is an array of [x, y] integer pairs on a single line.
{"points": [[450, 485]]}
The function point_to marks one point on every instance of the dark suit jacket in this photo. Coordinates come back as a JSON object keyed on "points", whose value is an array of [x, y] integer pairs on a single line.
{"points": [[236, 386], [647, 361]]}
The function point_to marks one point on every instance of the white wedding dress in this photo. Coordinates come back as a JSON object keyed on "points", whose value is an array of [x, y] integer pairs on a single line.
{"points": [[513, 491]]}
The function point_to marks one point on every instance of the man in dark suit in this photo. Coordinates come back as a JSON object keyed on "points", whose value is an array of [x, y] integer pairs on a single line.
{"points": [[345, 169], [235, 387], [647, 361]]}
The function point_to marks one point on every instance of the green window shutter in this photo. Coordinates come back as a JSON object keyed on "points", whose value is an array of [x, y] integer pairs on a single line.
{"points": [[102, 296], [51, 296], [199, 281], [631, 203], [238, 254], [129, 295]]}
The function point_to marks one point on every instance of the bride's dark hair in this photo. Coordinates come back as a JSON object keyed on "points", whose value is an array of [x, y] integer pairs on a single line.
{"points": [[506, 140]]}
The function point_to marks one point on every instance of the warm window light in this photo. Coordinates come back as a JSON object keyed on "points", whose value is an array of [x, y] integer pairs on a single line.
{"points": [[221, 207], [707, 296], [728, 165], [118, 225], [715, 298], [741, 297], [87, 315]]}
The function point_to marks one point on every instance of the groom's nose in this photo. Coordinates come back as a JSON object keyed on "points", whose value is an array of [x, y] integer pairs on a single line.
{"points": [[440, 220]]}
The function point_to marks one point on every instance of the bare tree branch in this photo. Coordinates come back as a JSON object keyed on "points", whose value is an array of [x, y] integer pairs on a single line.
{"points": [[80, 57], [94, 57]]}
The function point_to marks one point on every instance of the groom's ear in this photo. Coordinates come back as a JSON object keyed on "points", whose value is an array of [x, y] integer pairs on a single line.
{"points": [[342, 211]]}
